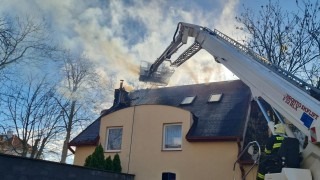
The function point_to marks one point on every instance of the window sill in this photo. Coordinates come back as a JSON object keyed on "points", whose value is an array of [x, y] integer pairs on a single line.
{"points": [[113, 151], [166, 150]]}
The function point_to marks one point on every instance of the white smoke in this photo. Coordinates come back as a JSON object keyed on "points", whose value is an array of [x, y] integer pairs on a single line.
{"points": [[104, 32]]}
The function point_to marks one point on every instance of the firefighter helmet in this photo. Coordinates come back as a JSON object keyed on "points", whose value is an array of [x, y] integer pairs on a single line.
{"points": [[279, 129]]}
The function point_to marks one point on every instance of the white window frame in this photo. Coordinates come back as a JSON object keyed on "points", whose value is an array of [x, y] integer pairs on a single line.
{"points": [[164, 148], [217, 97], [107, 139], [188, 100]]}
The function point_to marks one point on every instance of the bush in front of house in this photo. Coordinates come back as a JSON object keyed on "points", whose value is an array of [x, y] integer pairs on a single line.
{"points": [[87, 162], [117, 164], [109, 164], [96, 160]]}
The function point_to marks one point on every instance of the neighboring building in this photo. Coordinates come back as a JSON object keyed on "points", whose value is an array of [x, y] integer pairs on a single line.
{"points": [[192, 131], [12, 145]]}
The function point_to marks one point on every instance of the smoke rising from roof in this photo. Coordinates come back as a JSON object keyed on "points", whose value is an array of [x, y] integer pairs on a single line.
{"points": [[117, 35]]}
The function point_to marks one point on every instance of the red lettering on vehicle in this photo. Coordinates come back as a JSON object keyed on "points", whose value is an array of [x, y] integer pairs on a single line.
{"points": [[295, 104]]}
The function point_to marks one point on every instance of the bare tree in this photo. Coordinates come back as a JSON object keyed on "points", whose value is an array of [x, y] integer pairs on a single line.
{"points": [[287, 39], [22, 40], [312, 20], [31, 111], [78, 87]]}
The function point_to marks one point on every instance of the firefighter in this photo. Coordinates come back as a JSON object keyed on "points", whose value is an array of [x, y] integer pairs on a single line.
{"points": [[273, 144]]}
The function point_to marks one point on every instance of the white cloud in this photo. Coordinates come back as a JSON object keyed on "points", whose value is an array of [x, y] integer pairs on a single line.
{"points": [[103, 33]]}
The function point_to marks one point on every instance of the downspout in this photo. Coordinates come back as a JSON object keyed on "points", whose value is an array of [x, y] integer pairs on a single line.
{"points": [[243, 172], [133, 118]]}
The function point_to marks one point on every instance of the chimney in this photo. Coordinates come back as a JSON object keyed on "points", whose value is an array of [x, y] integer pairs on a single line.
{"points": [[121, 84], [120, 96], [9, 134], [103, 111]]}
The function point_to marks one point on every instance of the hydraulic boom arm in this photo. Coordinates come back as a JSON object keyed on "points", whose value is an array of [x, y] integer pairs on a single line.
{"points": [[297, 101], [289, 95]]}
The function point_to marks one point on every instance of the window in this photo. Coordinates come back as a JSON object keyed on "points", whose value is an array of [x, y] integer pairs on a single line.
{"points": [[168, 176], [188, 100], [114, 138], [215, 98], [172, 137]]}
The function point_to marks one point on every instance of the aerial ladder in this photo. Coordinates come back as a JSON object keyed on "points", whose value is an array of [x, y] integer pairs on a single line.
{"points": [[287, 94]]}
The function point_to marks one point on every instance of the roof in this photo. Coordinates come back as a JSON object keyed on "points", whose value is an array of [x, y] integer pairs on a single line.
{"points": [[223, 120], [89, 136], [218, 120], [12, 141]]}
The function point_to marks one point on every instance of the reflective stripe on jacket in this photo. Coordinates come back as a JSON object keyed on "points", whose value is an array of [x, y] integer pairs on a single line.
{"points": [[273, 144]]}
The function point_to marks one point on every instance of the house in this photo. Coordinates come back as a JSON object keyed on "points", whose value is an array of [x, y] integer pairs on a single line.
{"points": [[186, 132], [12, 144]]}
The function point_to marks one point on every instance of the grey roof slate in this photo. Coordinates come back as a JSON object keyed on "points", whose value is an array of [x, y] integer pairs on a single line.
{"points": [[213, 121], [89, 136], [217, 119]]}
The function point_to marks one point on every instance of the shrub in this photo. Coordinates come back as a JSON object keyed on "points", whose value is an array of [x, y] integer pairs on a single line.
{"points": [[87, 161], [108, 164], [117, 164], [96, 160]]}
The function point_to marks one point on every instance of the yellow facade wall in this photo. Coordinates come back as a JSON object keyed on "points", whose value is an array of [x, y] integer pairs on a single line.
{"points": [[253, 173], [141, 149], [81, 153]]}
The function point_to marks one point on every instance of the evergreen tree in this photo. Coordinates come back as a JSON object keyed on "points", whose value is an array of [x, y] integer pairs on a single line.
{"points": [[108, 164], [117, 164], [87, 162], [96, 160]]}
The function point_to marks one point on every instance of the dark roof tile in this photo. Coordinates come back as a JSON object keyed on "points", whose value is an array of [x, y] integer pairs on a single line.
{"points": [[225, 118], [89, 136], [219, 120]]}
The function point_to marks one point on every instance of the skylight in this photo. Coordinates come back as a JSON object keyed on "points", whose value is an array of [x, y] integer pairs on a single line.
{"points": [[188, 100], [215, 97]]}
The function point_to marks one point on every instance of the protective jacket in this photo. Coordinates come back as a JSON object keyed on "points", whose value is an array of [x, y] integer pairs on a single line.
{"points": [[273, 144]]}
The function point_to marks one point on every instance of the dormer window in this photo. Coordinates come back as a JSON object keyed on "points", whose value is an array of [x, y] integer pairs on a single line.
{"points": [[215, 98], [188, 100]]}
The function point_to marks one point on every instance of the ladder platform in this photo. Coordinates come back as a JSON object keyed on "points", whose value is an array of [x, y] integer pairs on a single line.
{"points": [[290, 174]]}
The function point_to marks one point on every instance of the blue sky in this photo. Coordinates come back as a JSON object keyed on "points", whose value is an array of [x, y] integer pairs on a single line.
{"points": [[118, 34]]}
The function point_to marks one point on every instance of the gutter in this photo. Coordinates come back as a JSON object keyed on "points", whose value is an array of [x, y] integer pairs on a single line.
{"points": [[212, 138], [90, 143], [243, 172]]}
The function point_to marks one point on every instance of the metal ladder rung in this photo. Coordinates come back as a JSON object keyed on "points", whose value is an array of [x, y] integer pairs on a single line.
{"points": [[193, 49]]}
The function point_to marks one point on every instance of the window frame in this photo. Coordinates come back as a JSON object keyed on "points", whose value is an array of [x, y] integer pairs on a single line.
{"points": [[184, 102], [107, 139], [164, 148], [215, 94]]}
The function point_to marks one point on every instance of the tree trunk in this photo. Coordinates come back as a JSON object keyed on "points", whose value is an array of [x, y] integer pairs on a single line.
{"points": [[64, 150], [34, 148], [69, 128], [25, 148]]}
